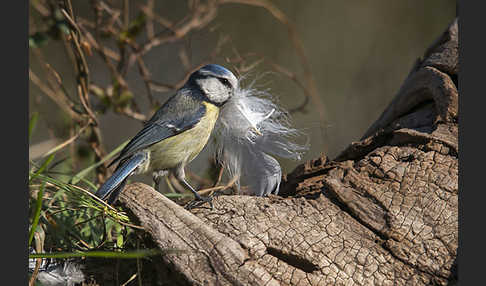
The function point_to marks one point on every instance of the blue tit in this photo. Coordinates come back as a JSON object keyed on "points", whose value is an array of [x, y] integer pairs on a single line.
{"points": [[176, 133]]}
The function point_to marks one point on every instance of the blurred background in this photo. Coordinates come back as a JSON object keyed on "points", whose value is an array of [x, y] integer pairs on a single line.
{"points": [[354, 56]]}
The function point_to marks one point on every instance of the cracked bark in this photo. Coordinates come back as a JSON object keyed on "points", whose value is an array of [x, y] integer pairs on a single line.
{"points": [[384, 212]]}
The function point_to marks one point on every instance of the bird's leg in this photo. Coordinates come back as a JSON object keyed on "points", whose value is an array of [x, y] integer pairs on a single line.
{"points": [[156, 176], [181, 176], [156, 182]]}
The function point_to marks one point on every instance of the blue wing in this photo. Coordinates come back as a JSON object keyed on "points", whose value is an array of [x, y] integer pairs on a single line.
{"points": [[179, 113]]}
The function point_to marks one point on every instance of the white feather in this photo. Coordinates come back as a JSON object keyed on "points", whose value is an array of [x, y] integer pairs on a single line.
{"points": [[251, 128]]}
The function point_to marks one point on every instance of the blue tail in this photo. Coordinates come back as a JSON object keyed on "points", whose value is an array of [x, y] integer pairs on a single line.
{"points": [[116, 182]]}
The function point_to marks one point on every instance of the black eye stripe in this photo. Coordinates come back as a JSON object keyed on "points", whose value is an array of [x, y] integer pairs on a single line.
{"points": [[225, 82]]}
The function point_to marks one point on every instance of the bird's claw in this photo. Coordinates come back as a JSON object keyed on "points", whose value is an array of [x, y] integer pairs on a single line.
{"points": [[199, 201]]}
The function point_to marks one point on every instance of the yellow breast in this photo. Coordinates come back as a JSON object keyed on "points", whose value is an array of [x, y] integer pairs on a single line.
{"points": [[184, 147]]}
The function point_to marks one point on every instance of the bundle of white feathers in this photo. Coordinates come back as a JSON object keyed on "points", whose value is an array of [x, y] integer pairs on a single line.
{"points": [[251, 129]]}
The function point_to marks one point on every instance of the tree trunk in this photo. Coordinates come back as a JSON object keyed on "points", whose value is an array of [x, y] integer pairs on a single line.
{"points": [[384, 212]]}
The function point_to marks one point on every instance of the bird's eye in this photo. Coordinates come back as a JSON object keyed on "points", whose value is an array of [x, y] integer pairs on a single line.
{"points": [[225, 82]]}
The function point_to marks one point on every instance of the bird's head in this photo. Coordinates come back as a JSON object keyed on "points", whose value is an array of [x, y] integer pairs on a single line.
{"points": [[215, 82]]}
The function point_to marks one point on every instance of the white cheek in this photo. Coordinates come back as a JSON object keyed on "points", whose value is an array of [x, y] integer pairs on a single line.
{"points": [[209, 85], [212, 88]]}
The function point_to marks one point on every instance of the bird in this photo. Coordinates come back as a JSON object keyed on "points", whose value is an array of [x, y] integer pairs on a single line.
{"points": [[175, 134]]}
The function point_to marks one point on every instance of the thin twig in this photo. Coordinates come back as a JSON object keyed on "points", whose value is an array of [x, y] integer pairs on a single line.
{"points": [[202, 16], [145, 73], [159, 19], [82, 64], [127, 111], [161, 87], [67, 142], [91, 40], [220, 176], [130, 279], [199, 179], [38, 261], [121, 81], [56, 97], [41, 9], [114, 13], [219, 188], [149, 25]]}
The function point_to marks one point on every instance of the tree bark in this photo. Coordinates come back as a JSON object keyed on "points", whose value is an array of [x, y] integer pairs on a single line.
{"points": [[384, 212]]}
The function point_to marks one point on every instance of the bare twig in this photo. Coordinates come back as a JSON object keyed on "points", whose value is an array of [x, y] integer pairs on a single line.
{"points": [[149, 25], [101, 48], [67, 142], [41, 9], [83, 87], [38, 262], [202, 15], [58, 98], [159, 19], [145, 73], [131, 278], [126, 13], [82, 65], [91, 40], [133, 114], [184, 58], [230, 184], [220, 176], [114, 13], [39, 248], [199, 179], [83, 70], [161, 87]]}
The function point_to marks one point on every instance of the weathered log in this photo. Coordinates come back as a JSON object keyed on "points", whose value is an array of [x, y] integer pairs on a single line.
{"points": [[384, 212]]}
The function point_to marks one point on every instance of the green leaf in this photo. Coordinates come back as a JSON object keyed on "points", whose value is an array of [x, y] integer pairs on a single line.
{"points": [[63, 27], [134, 28], [125, 98], [38, 39]]}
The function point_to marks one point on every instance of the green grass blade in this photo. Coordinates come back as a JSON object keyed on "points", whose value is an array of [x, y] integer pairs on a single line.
{"points": [[42, 167], [75, 189], [177, 195], [84, 172], [33, 123], [87, 182], [104, 254], [38, 207]]}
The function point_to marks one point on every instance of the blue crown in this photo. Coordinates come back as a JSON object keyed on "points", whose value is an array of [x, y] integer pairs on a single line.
{"points": [[215, 70]]}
